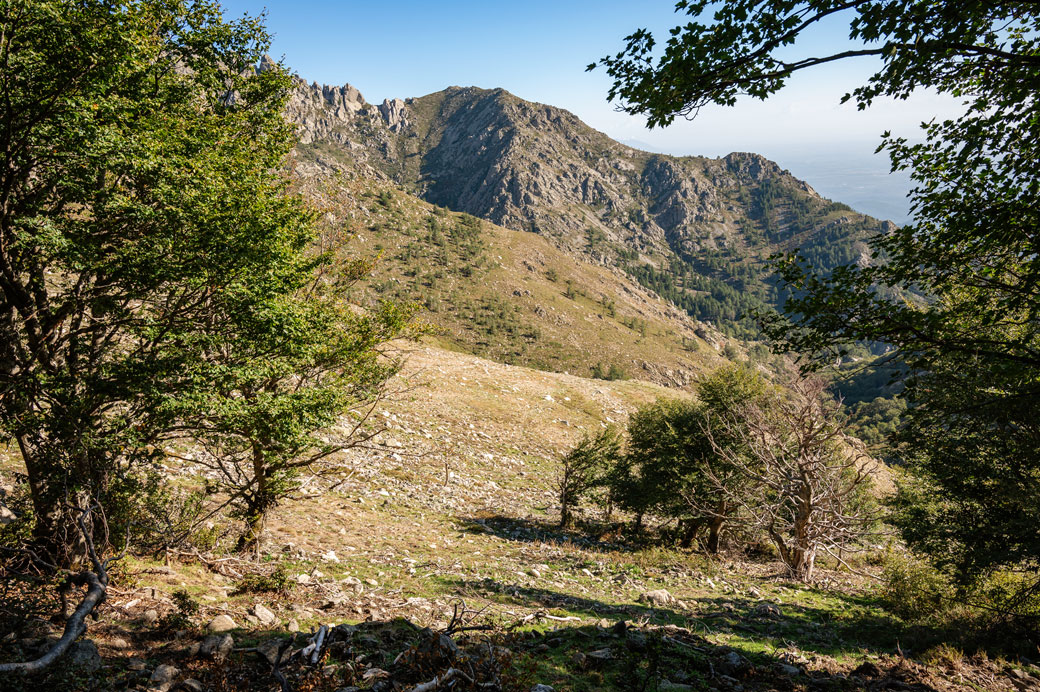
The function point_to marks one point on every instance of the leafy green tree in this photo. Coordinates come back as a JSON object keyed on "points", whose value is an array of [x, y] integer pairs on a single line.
{"points": [[673, 469], [275, 389], [971, 336], [138, 150], [585, 468]]}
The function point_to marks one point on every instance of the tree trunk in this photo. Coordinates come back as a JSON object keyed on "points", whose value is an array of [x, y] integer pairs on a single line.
{"points": [[637, 524], [565, 514], [57, 537], [714, 531], [803, 553], [691, 527], [257, 505]]}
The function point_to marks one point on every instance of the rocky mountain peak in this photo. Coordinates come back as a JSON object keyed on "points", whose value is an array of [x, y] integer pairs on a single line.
{"points": [[695, 229]]}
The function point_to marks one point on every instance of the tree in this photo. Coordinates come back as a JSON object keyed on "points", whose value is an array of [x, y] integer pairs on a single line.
{"points": [[673, 469], [794, 472], [284, 364], [138, 190], [956, 294], [585, 467]]}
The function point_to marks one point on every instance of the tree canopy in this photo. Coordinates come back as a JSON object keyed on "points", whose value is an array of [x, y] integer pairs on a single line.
{"points": [[147, 227]]}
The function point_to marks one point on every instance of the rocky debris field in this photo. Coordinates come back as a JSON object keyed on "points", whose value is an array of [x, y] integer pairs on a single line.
{"points": [[432, 561]]}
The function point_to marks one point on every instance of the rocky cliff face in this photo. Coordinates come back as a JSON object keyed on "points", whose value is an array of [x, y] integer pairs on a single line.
{"points": [[533, 167]]}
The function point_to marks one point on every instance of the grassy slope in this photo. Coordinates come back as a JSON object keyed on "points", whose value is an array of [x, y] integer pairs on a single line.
{"points": [[511, 296], [456, 502]]}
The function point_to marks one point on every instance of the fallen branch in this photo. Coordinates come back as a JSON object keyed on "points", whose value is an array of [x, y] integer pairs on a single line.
{"points": [[96, 582]]}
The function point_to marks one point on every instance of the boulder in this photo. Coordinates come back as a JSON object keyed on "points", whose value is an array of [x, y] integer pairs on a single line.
{"points": [[84, 655], [264, 615], [163, 676], [221, 623], [659, 597], [217, 646], [269, 649]]}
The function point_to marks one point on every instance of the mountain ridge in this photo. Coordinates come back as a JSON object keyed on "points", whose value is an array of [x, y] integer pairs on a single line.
{"points": [[697, 230]]}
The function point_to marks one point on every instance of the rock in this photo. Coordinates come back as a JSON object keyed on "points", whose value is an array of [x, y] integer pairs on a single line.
{"points": [[293, 626], [346, 631], [393, 112], [542, 688], [659, 597], [788, 669], [768, 610], [118, 643], [534, 573], [264, 615], [6, 515], [598, 658], [221, 623], [668, 686], [191, 685], [867, 670], [84, 655], [374, 674], [269, 650], [164, 675], [217, 646], [733, 664], [150, 616], [135, 664], [303, 578], [635, 640]]}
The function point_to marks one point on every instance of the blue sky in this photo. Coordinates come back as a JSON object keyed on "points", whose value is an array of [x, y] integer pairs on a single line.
{"points": [[539, 49]]}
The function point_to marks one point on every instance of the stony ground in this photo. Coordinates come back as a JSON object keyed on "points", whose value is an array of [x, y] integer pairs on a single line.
{"points": [[447, 526]]}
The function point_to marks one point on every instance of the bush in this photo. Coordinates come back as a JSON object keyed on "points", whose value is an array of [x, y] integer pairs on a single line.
{"points": [[278, 581], [586, 467], [912, 589]]}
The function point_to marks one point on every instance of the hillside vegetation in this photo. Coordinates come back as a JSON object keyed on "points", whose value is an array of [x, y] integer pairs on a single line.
{"points": [[511, 296]]}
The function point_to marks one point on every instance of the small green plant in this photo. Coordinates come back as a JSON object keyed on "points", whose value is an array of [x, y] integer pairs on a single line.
{"points": [[278, 581], [185, 603], [186, 608]]}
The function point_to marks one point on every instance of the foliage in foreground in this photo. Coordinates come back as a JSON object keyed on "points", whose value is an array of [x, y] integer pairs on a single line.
{"points": [[157, 279]]}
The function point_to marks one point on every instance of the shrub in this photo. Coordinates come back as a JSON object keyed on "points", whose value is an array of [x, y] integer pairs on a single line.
{"points": [[912, 589]]}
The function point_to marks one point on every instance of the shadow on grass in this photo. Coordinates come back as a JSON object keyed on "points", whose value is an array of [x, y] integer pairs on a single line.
{"points": [[594, 536], [847, 626], [547, 599]]}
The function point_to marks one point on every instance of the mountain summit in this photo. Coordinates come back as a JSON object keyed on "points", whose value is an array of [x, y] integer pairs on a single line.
{"points": [[696, 230]]}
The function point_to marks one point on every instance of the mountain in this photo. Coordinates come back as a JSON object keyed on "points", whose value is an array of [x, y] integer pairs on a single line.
{"points": [[509, 296], [698, 231]]}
